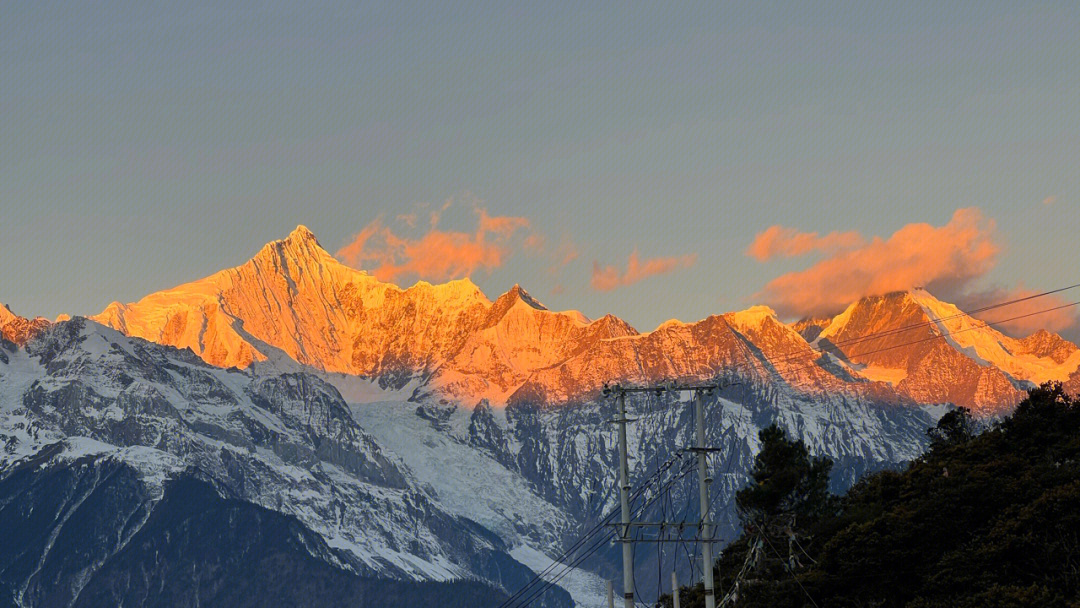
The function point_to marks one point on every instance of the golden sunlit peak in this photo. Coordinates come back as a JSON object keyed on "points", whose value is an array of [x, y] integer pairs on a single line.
{"points": [[301, 233]]}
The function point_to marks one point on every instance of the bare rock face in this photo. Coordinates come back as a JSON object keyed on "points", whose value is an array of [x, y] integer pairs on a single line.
{"points": [[18, 330], [295, 298], [1044, 344], [932, 352]]}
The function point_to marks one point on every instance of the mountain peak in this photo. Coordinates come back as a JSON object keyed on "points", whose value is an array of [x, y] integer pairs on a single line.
{"points": [[518, 293], [507, 301], [6, 316], [19, 330], [301, 233], [1047, 344], [299, 247], [754, 316]]}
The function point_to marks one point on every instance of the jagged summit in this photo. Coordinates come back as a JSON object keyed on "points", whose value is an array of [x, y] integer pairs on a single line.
{"points": [[6, 316], [299, 247], [301, 232], [508, 301], [517, 292], [512, 297], [934, 352], [1044, 343], [17, 329], [752, 317], [295, 300]]}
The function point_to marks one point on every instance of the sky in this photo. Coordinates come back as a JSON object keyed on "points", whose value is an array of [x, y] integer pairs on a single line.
{"points": [[627, 158]]}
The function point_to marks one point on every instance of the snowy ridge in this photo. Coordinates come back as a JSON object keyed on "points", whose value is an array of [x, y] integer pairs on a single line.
{"points": [[932, 352], [285, 441], [389, 420]]}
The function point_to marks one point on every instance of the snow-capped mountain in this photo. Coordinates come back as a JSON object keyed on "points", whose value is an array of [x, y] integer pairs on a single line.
{"points": [[17, 330], [431, 433], [285, 442], [932, 352], [293, 298]]}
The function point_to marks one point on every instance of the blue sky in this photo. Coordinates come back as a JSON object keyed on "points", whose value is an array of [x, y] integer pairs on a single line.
{"points": [[142, 147]]}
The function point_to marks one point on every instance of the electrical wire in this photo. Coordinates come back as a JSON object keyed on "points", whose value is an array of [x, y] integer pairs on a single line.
{"points": [[898, 330], [749, 363], [603, 540], [600, 526], [789, 571]]}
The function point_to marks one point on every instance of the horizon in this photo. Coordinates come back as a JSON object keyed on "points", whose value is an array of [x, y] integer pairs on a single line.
{"points": [[492, 297], [995, 323]]}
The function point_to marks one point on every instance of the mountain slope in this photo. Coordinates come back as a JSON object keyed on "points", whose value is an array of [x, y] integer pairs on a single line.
{"points": [[932, 352], [92, 532], [282, 441], [293, 301], [16, 330]]}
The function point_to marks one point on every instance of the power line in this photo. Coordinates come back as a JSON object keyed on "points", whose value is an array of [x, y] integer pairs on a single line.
{"points": [[748, 365], [960, 314], [946, 334], [584, 538], [788, 569], [653, 478], [567, 567], [603, 540]]}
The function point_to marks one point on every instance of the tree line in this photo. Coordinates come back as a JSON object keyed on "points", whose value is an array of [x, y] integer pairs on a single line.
{"points": [[987, 518]]}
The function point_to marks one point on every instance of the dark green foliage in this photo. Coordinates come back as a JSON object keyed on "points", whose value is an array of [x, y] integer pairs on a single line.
{"points": [[787, 482], [987, 520], [956, 426]]}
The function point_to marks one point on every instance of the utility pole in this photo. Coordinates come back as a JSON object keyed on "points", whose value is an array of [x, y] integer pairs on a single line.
{"points": [[624, 501], [706, 526], [674, 589], [703, 489]]}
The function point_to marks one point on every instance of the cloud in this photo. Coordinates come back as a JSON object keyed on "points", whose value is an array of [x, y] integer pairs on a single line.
{"points": [[943, 259], [560, 256], [1052, 320], [438, 255], [1050, 200], [609, 277], [501, 225], [789, 242]]}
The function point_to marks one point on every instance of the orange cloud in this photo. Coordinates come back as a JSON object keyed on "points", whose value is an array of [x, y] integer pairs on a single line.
{"points": [[789, 242], [609, 277], [438, 255], [561, 256], [503, 225], [939, 258], [1052, 320]]}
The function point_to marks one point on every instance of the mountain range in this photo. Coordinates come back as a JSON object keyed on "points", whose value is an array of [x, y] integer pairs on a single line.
{"points": [[397, 440], [294, 298]]}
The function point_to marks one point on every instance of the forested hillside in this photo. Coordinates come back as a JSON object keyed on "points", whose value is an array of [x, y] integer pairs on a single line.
{"points": [[984, 519]]}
